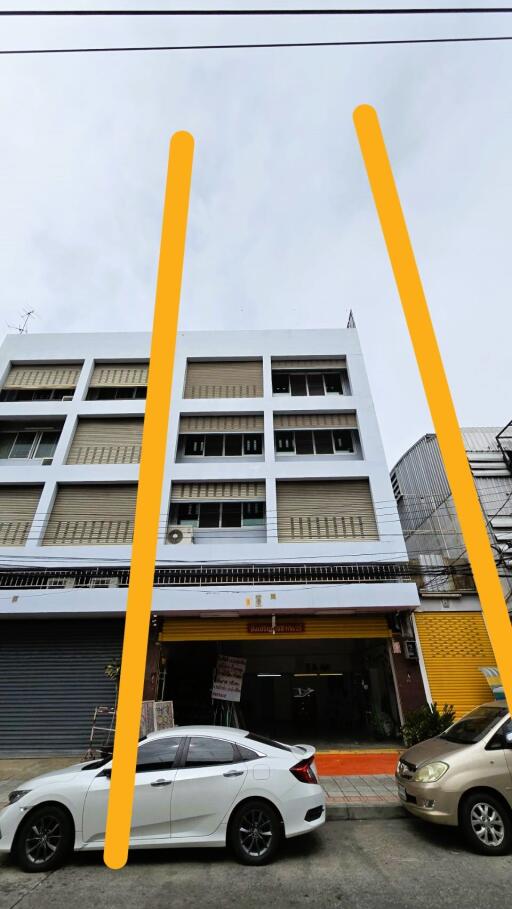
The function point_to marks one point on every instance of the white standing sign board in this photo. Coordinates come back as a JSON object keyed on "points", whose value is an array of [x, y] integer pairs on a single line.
{"points": [[228, 678]]}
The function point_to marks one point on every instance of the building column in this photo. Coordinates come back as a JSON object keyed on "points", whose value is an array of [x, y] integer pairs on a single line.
{"points": [[152, 665], [408, 680]]}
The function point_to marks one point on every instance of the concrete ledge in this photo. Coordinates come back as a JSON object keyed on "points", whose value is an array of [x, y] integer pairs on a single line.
{"points": [[364, 812]]}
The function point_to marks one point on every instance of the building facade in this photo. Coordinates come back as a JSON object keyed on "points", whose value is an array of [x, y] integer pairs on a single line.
{"points": [[451, 636], [279, 539]]}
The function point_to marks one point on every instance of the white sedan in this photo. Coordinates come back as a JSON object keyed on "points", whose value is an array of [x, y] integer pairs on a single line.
{"points": [[194, 786]]}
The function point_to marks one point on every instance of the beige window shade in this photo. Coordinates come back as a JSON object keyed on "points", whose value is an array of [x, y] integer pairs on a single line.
{"points": [[115, 441], [92, 514], [198, 492], [219, 423], [119, 375], [43, 375], [315, 421], [226, 379], [17, 508], [326, 363], [325, 510]]}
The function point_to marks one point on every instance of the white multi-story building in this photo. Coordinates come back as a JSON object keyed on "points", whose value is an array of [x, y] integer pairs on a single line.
{"points": [[279, 536]]}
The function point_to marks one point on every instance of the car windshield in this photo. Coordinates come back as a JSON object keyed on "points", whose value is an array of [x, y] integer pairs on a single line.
{"points": [[474, 726]]}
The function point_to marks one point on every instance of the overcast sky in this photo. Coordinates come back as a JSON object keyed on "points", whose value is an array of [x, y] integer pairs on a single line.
{"points": [[282, 228]]}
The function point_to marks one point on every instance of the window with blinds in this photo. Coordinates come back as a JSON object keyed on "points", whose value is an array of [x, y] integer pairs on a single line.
{"points": [[310, 377], [325, 510], [92, 514], [107, 441], [40, 381], [224, 379], [17, 509], [316, 434], [197, 492], [118, 380], [315, 420], [222, 423]]}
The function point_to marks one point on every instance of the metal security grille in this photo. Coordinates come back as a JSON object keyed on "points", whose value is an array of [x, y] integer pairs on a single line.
{"points": [[307, 628], [92, 513], [113, 441], [41, 375], [315, 421], [325, 510], [17, 508], [224, 379], [197, 492], [119, 374], [223, 423], [454, 647], [52, 676], [325, 363]]}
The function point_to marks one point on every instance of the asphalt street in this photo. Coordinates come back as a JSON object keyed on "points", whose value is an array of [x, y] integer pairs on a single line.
{"points": [[370, 864]]}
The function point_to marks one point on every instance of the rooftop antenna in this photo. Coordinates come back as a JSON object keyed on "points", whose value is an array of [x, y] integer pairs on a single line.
{"points": [[26, 316], [351, 321]]}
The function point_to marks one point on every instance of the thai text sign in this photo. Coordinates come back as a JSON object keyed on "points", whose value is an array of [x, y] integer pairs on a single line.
{"points": [[228, 678]]}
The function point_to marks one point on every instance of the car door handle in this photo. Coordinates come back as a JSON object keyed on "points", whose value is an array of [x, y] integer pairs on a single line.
{"points": [[233, 773], [161, 783]]}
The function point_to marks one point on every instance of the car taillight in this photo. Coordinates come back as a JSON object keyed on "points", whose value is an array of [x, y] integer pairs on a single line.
{"points": [[304, 772]]}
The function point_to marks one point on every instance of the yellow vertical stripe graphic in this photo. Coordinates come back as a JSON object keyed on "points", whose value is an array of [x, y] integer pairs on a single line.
{"points": [[149, 495], [455, 646], [437, 391]]}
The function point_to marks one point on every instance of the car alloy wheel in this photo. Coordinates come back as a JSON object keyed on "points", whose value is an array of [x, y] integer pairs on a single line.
{"points": [[43, 839], [255, 832], [487, 824]]}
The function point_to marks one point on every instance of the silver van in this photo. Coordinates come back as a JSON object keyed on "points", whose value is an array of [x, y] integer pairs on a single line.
{"points": [[463, 777]]}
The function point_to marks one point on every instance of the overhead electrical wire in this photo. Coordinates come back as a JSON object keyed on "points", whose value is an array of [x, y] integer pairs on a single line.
{"points": [[179, 13]]}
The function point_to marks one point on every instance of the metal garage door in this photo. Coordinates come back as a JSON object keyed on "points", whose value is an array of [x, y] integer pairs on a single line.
{"points": [[51, 679]]}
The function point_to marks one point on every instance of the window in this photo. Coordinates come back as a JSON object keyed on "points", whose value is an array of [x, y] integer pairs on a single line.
{"points": [[28, 444], [319, 441], [218, 445], [218, 514], [122, 392], [206, 752], [40, 394], [253, 514], [474, 726], [498, 741], [310, 383], [214, 445], [159, 754], [246, 754]]}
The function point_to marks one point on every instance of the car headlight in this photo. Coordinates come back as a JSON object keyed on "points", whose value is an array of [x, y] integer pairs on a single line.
{"points": [[17, 794], [431, 773]]}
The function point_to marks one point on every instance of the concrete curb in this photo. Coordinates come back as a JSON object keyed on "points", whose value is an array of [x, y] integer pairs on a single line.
{"points": [[364, 812]]}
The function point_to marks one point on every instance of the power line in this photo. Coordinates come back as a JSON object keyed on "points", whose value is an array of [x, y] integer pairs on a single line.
{"points": [[180, 13], [248, 46]]}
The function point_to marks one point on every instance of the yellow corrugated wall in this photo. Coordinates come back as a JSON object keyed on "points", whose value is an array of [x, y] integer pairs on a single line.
{"points": [[454, 646], [236, 629]]}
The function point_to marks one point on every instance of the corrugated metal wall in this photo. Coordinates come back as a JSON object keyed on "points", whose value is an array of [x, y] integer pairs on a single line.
{"points": [[51, 679]]}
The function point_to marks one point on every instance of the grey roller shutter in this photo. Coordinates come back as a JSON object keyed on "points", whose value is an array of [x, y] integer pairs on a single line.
{"points": [[224, 379], [44, 375], [325, 363], [112, 441], [92, 514], [222, 423], [325, 510], [198, 492], [51, 679], [17, 508], [119, 374], [315, 421]]}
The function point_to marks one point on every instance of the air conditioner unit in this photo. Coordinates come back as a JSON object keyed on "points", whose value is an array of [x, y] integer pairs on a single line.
{"points": [[180, 535], [60, 582], [104, 582], [410, 650]]}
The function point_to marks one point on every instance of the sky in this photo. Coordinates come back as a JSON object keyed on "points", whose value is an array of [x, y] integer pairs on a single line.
{"points": [[282, 227]]}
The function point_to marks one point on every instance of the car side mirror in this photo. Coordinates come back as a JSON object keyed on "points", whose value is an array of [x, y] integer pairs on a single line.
{"points": [[507, 739], [106, 772]]}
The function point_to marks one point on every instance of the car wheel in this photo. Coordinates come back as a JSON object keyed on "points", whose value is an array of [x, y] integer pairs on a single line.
{"points": [[255, 832], [486, 824], [44, 840]]}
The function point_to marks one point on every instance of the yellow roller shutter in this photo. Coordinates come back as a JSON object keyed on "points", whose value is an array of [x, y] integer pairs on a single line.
{"points": [[119, 375], [17, 508], [224, 379], [259, 628], [325, 510], [199, 492], [112, 441], [315, 420], [36, 376], [222, 423], [92, 514], [455, 646]]}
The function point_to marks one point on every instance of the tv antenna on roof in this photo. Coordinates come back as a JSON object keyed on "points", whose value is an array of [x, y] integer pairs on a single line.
{"points": [[26, 316]]}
